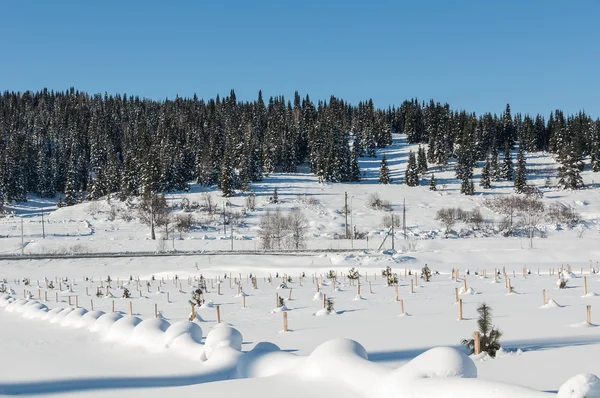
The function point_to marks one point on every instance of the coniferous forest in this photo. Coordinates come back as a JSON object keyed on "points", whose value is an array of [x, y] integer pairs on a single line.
{"points": [[84, 146]]}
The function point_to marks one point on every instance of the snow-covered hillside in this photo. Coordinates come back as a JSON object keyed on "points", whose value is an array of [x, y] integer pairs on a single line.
{"points": [[52, 348]]}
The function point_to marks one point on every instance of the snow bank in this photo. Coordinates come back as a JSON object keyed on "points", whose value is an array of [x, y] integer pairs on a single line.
{"points": [[89, 319], [35, 311], [551, 304], [59, 317]]}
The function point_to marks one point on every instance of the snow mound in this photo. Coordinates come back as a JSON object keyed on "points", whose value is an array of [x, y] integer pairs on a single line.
{"points": [[122, 329], [280, 309], [358, 298], [12, 307], [207, 304], [325, 312], [581, 386], [178, 329], [551, 304], [583, 325], [59, 317], [35, 311], [150, 333], [222, 335], [265, 360], [318, 296], [74, 317], [89, 319], [469, 291], [438, 362], [52, 313], [590, 294], [105, 322]]}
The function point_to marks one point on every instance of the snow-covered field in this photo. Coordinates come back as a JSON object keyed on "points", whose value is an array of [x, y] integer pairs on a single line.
{"points": [[87, 353]]}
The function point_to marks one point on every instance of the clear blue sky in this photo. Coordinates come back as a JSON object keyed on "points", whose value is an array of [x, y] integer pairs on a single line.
{"points": [[478, 55]]}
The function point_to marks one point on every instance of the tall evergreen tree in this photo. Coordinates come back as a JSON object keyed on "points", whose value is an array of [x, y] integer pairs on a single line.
{"points": [[485, 180], [569, 171], [384, 172], [422, 160], [507, 164], [467, 187], [432, 185], [521, 173], [411, 175]]}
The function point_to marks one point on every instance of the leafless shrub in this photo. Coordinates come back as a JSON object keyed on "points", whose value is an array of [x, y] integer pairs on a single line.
{"points": [[277, 231], [251, 201], [387, 221], [112, 213], [561, 213], [208, 203], [446, 218], [376, 203], [183, 223]]}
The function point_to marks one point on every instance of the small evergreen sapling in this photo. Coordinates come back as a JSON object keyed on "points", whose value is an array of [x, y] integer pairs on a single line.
{"points": [[50, 285], [489, 338], [353, 275], [126, 293], [329, 305], [391, 278], [280, 302], [3, 288], [426, 273], [384, 171], [562, 284]]}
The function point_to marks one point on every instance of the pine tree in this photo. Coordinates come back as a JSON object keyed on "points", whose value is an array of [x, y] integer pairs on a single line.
{"points": [[432, 186], [484, 181], [520, 177], [467, 187], [384, 171], [495, 171], [507, 165], [411, 176], [226, 182], [422, 160], [569, 172], [275, 196], [489, 336]]}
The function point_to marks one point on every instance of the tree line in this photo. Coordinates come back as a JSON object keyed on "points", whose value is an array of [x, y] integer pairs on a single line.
{"points": [[84, 146]]}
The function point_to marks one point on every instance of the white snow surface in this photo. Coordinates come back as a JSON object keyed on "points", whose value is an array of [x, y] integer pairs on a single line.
{"points": [[367, 350]]}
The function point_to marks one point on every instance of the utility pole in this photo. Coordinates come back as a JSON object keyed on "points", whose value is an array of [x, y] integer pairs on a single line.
{"points": [[43, 230], [224, 225], [393, 247], [232, 237], [404, 217], [22, 240], [346, 211], [351, 223]]}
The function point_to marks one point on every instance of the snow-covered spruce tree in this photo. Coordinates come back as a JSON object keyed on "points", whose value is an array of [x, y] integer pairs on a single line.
{"points": [[489, 336], [520, 176], [384, 171], [432, 186], [196, 300], [467, 187], [422, 160], [126, 293], [485, 179], [275, 196], [353, 275], [226, 178], [569, 171], [464, 163], [495, 171], [507, 165], [329, 305], [411, 176], [595, 163]]}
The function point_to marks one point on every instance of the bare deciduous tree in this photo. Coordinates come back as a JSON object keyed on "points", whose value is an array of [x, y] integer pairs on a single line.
{"points": [[153, 211]]}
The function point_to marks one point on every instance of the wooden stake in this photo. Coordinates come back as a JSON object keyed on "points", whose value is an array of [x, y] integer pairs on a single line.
{"points": [[509, 287], [113, 306], [92, 304], [69, 300], [585, 286], [76, 301], [456, 294], [290, 296], [477, 343], [589, 314], [285, 321], [276, 300], [218, 314], [324, 301], [460, 312], [370, 290], [45, 296], [544, 295], [155, 310], [465, 284], [401, 307], [168, 297], [130, 308], [396, 287], [218, 289], [57, 297], [411, 286], [358, 290], [243, 301], [87, 293]]}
